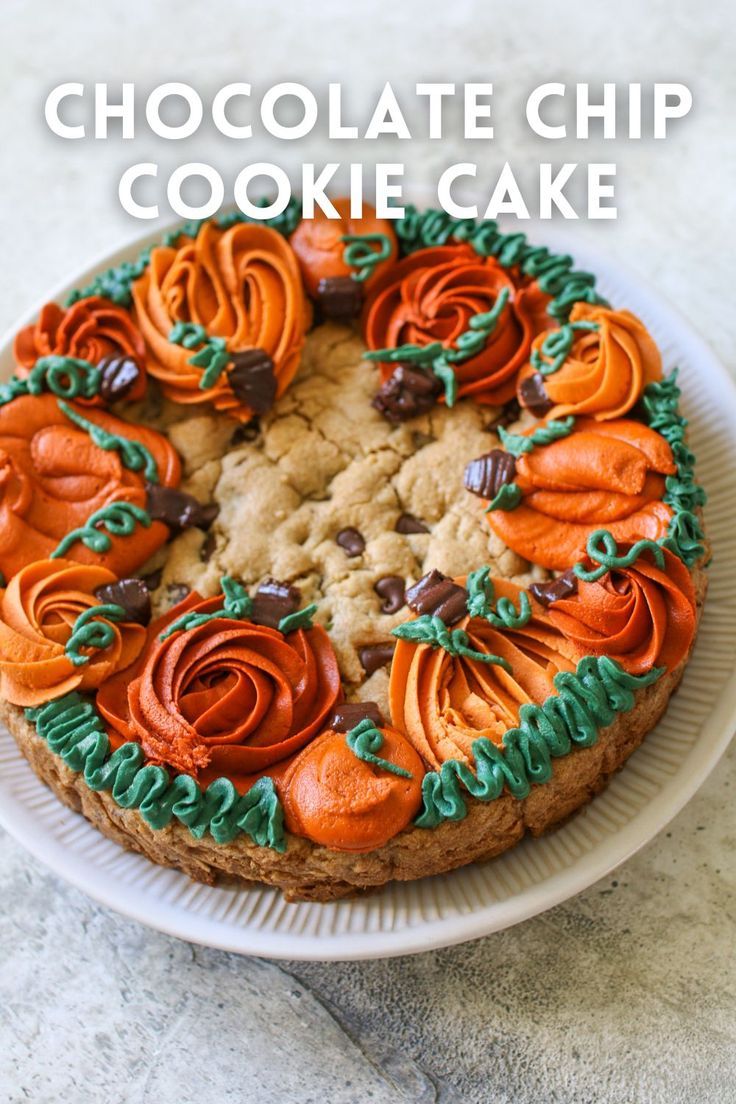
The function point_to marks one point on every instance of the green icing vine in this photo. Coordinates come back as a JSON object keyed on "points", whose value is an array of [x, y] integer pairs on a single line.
{"points": [[481, 594], [586, 701], [213, 355], [557, 345], [119, 518], [236, 606], [432, 630], [133, 454], [507, 497], [365, 740], [88, 632], [301, 619], [66, 377], [601, 547], [74, 730], [360, 254], [517, 443]]}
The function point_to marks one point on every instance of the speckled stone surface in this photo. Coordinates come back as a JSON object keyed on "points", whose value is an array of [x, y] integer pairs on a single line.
{"points": [[626, 993]]}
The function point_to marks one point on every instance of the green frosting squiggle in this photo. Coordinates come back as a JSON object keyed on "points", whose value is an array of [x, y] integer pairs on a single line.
{"points": [[364, 740], [119, 518], [518, 444], [133, 454]]}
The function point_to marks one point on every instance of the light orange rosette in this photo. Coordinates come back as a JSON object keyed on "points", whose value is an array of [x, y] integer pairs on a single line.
{"points": [[242, 285], [433, 294], [607, 369], [604, 474], [38, 610], [227, 697], [53, 476], [443, 703], [91, 329], [320, 249], [342, 802]]}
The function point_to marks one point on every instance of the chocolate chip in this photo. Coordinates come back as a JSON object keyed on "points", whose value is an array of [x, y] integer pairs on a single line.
{"points": [[374, 656], [152, 581], [533, 395], [508, 415], [274, 600], [132, 595], [340, 298], [391, 589], [178, 509], [407, 523], [406, 394], [253, 379], [352, 540], [438, 595], [246, 433], [348, 714], [207, 547], [177, 592], [486, 474], [119, 375], [561, 587]]}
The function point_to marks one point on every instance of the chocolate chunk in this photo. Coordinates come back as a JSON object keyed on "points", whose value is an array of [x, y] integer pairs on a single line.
{"points": [[132, 595], [439, 596], [246, 433], [561, 587], [119, 375], [508, 415], [533, 395], [153, 579], [348, 714], [406, 394], [274, 600], [407, 523], [178, 509], [391, 589], [340, 298], [352, 540], [253, 379], [486, 474], [373, 656], [207, 547]]}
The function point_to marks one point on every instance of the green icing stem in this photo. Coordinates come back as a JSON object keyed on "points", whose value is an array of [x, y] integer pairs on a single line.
{"points": [[601, 547], [557, 346], [73, 729], [236, 607], [89, 632], [66, 377], [360, 254], [507, 497], [481, 594], [365, 740], [301, 619], [119, 518], [429, 629], [213, 355], [586, 701], [518, 444], [133, 454]]}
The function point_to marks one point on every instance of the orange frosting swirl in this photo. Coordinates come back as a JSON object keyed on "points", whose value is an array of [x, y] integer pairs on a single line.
{"points": [[241, 284], [227, 697], [604, 474], [607, 369], [443, 703], [643, 616], [37, 614], [53, 476], [319, 247], [432, 296], [342, 802], [91, 329]]}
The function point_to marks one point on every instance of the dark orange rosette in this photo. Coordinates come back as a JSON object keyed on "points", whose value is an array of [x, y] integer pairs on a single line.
{"points": [[607, 369], [432, 296], [342, 802], [91, 329], [227, 697], [53, 476], [643, 616], [604, 474], [443, 703], [38, 610], [241, 284], [319, 247]]}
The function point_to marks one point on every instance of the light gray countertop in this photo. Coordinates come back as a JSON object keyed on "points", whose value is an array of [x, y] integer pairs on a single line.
{"points": [[624, 994]]}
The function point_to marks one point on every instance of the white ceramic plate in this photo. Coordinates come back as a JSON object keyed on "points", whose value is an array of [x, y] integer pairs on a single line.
{"points": [[404, 918]]}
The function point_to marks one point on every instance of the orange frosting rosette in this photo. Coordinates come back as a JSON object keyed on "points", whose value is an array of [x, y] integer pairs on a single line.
{"points": [[91, 329], [319, 247], [607, 369], [53, 476], [604, 474], [432, 296], [227, 697], [38, 610], [335, 799], [241, 284]]}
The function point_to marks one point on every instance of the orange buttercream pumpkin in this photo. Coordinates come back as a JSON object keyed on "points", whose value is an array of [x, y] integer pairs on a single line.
{"points": [[319, 247]]}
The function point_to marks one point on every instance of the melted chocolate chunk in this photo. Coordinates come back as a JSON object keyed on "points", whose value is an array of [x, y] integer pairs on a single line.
{"points": [[351, 540], [119, 375], [132, 595], [274, 600], [246, 433], [348, 714], [533, 395], [374, 656], [486, 474], [508, 415], [340, 298], [177, 509], [406, 394], [407, 523], [439, 596], [153, 579], [253, 379], [391, 589], [561, 587]]}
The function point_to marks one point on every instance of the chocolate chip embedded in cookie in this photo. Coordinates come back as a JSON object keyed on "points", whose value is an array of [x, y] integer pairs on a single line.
{"points": [[485, 475], [273, 601], [177, 509], [375, 656], [351, 540], [406, 394], [391, 589], [348, 714], [438, 595], [407, 523]]}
